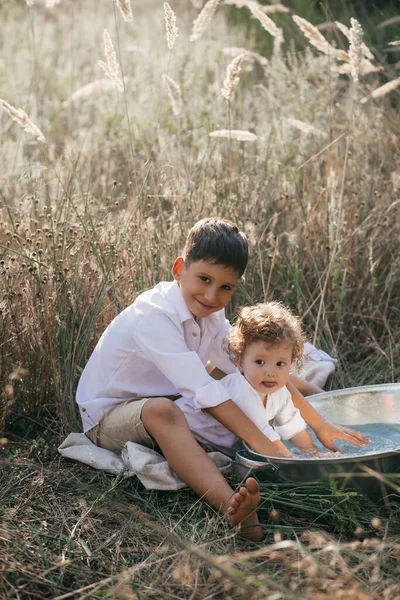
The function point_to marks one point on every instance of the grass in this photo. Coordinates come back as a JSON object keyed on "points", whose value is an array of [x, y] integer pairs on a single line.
{"points": [[68, 531], [99, 213]]}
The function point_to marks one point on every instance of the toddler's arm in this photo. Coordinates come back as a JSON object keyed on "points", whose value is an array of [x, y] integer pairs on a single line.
{"points": [[234, 419], [304, 387], [325, 431]]}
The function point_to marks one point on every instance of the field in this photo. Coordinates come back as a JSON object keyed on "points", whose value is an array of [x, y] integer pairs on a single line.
{"points": [[104, 168]]}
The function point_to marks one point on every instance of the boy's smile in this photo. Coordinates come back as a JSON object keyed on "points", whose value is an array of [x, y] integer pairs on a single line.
{"points": [[206, 287], [266, 366]]}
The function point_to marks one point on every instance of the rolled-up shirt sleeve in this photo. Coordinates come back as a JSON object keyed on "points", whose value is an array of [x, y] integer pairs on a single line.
{"points": [[163, 343], [288, 421]]}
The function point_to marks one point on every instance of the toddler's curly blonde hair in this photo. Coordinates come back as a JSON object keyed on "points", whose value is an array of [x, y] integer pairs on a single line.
{"points": [[271, 323]]}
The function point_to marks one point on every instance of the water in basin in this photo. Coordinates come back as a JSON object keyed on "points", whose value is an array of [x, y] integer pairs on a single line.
{"points": [[385, 437]]}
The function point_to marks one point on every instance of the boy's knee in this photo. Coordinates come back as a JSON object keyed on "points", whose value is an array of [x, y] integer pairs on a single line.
{"points": [[160, 410]]}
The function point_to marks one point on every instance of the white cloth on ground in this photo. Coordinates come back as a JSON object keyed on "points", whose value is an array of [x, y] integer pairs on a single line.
{"points": [[317, 367], [148, 465]]}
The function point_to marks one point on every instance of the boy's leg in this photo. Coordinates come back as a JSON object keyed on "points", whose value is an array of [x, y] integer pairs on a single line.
{"points": [[148, 419], [166, 423]]}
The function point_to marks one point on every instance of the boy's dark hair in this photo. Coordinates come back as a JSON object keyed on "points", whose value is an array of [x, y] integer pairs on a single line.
{"points": [[217, 241]]}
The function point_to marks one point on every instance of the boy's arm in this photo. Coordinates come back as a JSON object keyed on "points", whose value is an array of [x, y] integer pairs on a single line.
{"points": [[303, 441], [181, 365], [234, 419], [325, 431], [304, 387]]}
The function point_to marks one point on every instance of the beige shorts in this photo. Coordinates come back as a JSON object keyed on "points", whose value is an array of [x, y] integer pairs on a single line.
{"points": [[121, 424]]}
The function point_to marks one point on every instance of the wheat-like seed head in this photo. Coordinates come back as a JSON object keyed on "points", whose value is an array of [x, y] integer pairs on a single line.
{"points": [[395, 43], [237, 3], [111, 67], [265, 21], [52, 3], [267, 9], [94, 87], [19, 116], [232, 78], [274, 8], [204, 19], [234, 134], [126, 10], [170, 25], [356, 36], [346, 31], [384, 89], [174, 93], [305, 127], [248, 55], [366, 67], [30, 2], [317, 40]]}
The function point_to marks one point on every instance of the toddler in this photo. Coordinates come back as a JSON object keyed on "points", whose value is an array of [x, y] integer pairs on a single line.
{"points": [[264, 342]]}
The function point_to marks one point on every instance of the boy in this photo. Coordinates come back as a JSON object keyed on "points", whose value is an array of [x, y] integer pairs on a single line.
{"points": [[156, 350]]}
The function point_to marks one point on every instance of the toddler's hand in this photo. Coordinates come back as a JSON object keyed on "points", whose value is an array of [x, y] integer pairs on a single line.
{"points": [[329, 432]]}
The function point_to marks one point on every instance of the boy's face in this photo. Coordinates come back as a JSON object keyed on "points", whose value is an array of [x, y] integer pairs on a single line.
{"points": [[265, 366], [206, 287]]}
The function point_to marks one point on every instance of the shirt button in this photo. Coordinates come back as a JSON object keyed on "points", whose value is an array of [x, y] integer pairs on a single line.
{"points": [[194, 334]]}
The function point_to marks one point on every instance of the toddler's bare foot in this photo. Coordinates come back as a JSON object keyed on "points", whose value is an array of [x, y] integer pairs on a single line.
{"points": [[242, 510]]}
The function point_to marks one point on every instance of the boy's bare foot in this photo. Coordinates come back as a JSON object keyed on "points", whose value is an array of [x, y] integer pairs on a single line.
{"points": [[242, 510]]}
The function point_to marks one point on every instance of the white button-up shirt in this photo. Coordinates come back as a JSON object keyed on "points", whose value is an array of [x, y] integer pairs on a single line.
{"points": [[155, 347], [278, 419]]}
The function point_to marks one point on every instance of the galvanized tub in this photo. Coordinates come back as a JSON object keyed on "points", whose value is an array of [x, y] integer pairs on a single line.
{"points": [[374, 408]]}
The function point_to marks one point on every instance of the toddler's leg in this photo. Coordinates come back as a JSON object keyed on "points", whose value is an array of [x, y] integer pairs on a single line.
{"points": [[166, 423]]}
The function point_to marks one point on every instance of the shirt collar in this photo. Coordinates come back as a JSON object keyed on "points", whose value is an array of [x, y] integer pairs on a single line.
{"points": [[174, 295]]}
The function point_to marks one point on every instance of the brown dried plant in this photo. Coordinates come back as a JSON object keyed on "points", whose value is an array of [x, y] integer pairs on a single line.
{"points": [[125, 10], [317, 40], [355, 50], [170, 25], [111, 67], [232, 78], [204, 19], [19, 116]]}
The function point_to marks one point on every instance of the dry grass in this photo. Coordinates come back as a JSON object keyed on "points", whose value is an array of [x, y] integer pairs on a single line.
{"points": [[69, 532], [98, 214]]}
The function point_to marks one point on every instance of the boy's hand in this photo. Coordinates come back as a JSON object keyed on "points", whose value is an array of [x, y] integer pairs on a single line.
{"points": [[303, 441], [327, 432], [277, 448]]}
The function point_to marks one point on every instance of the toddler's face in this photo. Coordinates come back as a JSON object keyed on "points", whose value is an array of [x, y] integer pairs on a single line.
{"points": [[266, 366]]}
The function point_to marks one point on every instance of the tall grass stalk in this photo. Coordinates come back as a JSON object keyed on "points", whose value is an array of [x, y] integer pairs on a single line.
{"points": [[113, 196]]}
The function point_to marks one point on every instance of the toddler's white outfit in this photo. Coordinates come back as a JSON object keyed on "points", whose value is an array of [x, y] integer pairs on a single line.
{"points": [[278, 419]]}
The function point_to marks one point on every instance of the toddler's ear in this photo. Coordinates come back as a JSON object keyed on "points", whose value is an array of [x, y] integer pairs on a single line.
{"points": [[177, 268]]}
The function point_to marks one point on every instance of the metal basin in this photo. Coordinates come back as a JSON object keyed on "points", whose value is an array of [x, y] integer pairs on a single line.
{"points": [[375, 411]]}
